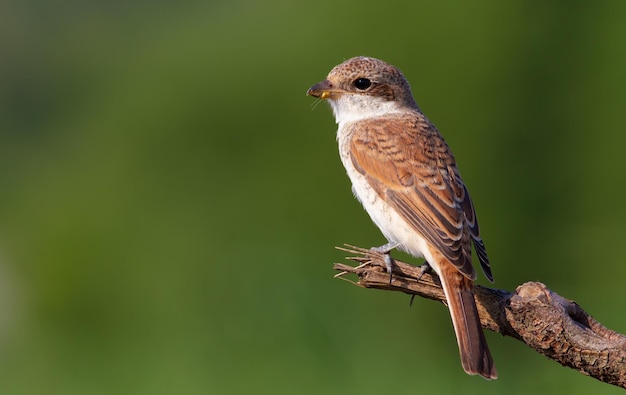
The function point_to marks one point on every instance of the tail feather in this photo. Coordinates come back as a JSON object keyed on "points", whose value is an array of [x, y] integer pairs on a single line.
{"points": [[475, 355]]}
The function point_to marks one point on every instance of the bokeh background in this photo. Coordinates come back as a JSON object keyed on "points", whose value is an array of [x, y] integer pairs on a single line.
{"points": [[170, 198]]}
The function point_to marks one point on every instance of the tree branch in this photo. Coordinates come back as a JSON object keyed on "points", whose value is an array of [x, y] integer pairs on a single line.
{"points": [[548, 323]]}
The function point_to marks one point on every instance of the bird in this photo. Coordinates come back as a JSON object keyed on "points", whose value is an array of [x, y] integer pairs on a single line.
{"points": [[405, 176]]}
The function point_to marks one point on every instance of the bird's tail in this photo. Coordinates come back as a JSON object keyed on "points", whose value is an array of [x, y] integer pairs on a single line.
{"points": [[475, 355]]}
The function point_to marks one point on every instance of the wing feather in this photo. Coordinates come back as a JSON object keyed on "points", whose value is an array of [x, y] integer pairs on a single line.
{"points": [[410, 165]]}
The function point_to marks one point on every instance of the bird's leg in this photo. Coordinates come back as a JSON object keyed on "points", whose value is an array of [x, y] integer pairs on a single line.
{"points": [[385, 250], [424, 267]]}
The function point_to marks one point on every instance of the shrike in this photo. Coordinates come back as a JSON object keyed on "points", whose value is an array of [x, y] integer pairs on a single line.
{"points": [[406, 177]]}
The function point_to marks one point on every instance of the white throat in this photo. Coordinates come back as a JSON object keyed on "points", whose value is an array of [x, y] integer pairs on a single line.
{"points": [[354, 107]]}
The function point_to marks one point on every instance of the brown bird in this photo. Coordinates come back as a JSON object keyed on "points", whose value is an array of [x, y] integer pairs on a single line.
{"points": [[406, 177]]}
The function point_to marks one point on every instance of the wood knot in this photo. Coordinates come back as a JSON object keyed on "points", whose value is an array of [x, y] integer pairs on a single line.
{"points": [[531, 293]]}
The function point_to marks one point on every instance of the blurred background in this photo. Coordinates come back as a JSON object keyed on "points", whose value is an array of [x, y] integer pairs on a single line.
{"points": [[170, 198]]}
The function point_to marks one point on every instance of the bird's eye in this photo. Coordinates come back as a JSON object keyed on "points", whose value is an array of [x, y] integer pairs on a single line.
{"points": [[362, 83]]}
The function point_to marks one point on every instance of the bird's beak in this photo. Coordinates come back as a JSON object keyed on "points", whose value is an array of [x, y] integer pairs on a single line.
{"points": [[323, 90]]}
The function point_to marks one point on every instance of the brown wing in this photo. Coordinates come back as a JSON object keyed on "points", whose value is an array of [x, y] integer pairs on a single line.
{"points": [[406, 159]]}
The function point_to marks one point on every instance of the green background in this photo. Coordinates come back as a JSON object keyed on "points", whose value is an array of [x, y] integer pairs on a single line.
{"points": [[170, 199]]}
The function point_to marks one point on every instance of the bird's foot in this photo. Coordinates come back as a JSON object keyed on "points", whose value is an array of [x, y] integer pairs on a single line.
{"points": [[385, 250]]}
